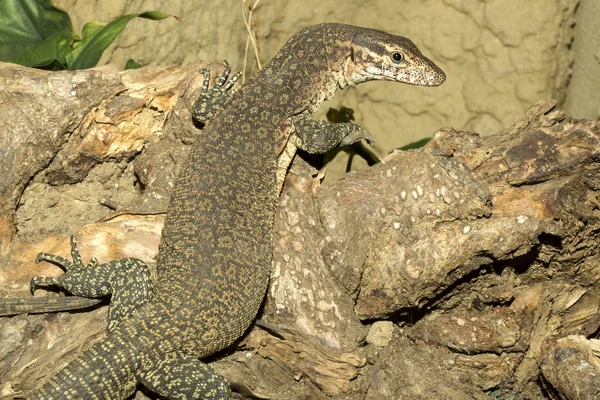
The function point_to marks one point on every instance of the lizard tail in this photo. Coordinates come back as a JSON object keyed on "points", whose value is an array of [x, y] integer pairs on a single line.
{"points": [[40, 305]]}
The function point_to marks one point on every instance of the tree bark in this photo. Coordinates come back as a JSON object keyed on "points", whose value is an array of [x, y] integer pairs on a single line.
{"points": [[464, 269]]}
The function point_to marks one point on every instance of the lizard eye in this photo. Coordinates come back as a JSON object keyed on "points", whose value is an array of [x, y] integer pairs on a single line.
{"points": [[397, 57]]}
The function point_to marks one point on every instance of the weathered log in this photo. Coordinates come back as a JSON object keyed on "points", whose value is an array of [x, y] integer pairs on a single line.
{"points": [[480, 253]]}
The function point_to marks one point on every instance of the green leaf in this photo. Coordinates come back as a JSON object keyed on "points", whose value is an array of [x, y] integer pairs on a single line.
{"points": [[34, 32], [97, 36], [415, 145], [132, 64], [53, 48]]}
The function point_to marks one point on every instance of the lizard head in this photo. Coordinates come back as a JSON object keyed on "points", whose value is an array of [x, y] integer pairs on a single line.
{"points": [[377, 55]]}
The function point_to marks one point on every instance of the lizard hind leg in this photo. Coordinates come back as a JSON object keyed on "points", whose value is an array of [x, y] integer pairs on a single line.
{"points": [[180, 376], [127, 280]]}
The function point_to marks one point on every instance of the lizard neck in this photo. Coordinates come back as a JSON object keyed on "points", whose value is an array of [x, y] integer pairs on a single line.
{"points": [[330, 85]]}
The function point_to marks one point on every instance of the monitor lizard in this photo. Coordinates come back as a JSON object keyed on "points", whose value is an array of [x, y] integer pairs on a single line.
{"points": [[215, 253]]}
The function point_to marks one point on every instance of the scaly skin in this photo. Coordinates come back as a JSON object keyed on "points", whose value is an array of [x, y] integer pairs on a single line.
{"points": [[215, 254]]}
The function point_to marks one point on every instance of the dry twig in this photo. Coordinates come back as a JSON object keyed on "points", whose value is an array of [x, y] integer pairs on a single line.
{"points": [[252, 29]]}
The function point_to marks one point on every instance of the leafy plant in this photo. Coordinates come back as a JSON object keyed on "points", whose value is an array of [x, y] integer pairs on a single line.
{"points": [[34, 33], [415, 145]]}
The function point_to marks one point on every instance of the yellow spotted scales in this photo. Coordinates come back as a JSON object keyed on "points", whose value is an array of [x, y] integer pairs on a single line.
{"points": [[216, 248]]}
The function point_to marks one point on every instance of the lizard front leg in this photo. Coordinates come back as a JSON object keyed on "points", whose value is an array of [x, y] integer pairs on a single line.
{"points": [[317, 137], [127, 280], [210, 102]]}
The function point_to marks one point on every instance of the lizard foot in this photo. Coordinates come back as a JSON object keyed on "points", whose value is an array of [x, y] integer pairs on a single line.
{"points": [[127, 280], [357, 136], [211, 101]]}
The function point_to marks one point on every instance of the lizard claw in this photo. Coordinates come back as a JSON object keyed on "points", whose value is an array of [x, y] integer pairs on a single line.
{"points": [[212, 100], [357, 136]]}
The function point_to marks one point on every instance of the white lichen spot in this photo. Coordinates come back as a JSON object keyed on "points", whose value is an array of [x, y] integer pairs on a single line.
{"points": [[420, 190], [466, 229], [521, 219], [327, 307], [331, 222], [276, 270], [413, 271], [403, 195], [293, 218], [73, 93], [396, 225]]}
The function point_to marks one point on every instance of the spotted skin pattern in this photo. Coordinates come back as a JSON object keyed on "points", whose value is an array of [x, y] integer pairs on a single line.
{"points": [[215, 254]]}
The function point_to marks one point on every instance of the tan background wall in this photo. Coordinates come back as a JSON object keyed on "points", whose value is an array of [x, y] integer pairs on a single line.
{"points": [[583, 93], [501, 56]]}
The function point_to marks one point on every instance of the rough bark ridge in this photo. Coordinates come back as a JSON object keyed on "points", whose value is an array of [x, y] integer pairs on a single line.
{"points": [[463, 270]]}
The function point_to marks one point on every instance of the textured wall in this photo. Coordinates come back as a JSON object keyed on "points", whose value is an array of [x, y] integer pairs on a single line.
{"points": [[583, 94], [500, 56]]}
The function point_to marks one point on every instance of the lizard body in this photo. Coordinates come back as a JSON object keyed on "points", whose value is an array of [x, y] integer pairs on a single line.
{"points": [[215, 254]]}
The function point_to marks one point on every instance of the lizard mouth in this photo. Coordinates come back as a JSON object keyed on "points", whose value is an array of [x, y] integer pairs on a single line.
{"points": [[427, 74], [435, 77]]}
